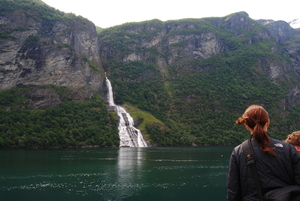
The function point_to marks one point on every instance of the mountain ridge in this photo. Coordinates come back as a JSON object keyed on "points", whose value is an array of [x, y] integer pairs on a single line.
{"points": [[194, 75]]}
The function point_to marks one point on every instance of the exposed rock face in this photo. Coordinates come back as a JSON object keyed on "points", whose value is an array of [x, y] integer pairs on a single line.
{"points": [[293, 98], [195, 46], [280, 30], [276, 69], [294, 52], [71, 54], [179, 42], [49, 53], [41, 98], [288, 37], [169, 42]]}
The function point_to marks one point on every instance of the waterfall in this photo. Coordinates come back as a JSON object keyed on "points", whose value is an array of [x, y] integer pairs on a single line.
{"points": [[129, 135]]}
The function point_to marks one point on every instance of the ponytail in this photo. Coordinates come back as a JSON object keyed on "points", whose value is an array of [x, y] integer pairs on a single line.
{"points": [[262, 138], [256, 118]]}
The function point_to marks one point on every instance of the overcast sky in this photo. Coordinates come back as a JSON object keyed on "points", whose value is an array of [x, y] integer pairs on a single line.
{"points": [[107, 13]]}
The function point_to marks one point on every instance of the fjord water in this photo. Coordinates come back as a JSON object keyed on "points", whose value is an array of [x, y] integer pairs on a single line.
{"points": [[153, 173]]}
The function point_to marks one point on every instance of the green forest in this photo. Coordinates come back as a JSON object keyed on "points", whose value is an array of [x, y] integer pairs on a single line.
{"points": [[69, 124], [38, 10]]}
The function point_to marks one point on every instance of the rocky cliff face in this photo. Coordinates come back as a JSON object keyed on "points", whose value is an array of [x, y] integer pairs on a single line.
{"points": [[192, 73], [280, 30], [178, 43], [289, 39], [40, 52], [69, 53]]}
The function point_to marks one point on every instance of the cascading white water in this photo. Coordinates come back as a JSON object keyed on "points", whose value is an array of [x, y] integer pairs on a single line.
{"points": [[129, 135]]}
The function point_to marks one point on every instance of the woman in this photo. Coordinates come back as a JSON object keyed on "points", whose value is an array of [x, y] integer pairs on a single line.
{"points": [[294, 139], [277, 162]]}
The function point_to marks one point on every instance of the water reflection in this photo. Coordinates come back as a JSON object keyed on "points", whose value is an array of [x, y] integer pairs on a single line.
{"points": [[129, 158], [130, 161]]}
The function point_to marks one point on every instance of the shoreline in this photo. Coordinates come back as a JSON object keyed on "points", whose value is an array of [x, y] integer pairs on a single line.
{"points": [[97, 146]]}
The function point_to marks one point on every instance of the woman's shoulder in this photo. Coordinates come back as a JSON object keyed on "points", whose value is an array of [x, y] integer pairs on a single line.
{"points": [[279, 143], [238, 150], [284, 146]]}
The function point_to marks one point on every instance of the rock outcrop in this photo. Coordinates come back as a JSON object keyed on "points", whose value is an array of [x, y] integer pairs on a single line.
{"points": [[288, 38], [280, 30], [41, 52]]}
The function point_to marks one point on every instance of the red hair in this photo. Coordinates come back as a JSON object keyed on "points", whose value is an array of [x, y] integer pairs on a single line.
{"points": [[293, 138], [256, 118]]}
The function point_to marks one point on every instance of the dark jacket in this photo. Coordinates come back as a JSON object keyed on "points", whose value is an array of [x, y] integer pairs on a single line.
{"points": [[273, 171]]}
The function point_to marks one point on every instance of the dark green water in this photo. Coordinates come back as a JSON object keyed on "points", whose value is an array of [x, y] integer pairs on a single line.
{"points": [[189, 173]]}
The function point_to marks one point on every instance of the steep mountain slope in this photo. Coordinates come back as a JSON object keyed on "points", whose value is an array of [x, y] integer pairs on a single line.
{"points": [[207, 72], [42, 46], [50, 75], [193, 77]]}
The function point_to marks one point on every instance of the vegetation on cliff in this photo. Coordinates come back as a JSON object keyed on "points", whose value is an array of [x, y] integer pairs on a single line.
{"points": [[67, 124], [185, 82], [37, 10], [199, 99]]}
